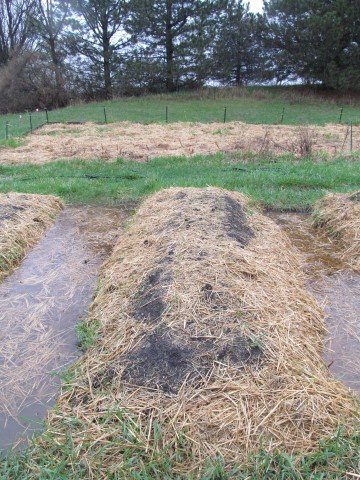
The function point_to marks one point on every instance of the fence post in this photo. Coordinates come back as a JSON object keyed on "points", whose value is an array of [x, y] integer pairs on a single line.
{"points": [[31, 124], [47, 115], [105, 117], [225, 114], [341, 114], [282, 115], [167, 114], [351, 136], [7, 130]]}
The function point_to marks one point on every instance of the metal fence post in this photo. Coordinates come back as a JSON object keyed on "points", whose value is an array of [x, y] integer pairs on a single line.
{"points": [[341, 114], [7, 130], [167, 114], [282, 115], [47, 115], [31, 123], [351, 136], [225, 114], [105, 117]]}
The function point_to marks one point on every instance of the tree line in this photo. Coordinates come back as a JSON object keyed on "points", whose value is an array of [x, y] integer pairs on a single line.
{"points": [[54, 50]]}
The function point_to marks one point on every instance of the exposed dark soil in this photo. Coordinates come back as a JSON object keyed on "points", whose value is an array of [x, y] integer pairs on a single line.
{"points": [[160, 362], [7, 212], [236, 223], [165, 359], [150, 305]]}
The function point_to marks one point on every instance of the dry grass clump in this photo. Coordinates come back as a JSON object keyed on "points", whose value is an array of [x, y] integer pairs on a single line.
{"points": [[339, 215], [208, 346], [23, 220], [306, 141]]}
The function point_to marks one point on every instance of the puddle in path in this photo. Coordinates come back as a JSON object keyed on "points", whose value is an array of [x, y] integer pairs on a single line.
{"points": [[40, 304], [337, 289]]}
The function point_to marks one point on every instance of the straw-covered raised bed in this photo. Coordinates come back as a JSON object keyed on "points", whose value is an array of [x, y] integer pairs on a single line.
{"points": [[139, 142], [339, 216], [23, 220], [208, 345]]}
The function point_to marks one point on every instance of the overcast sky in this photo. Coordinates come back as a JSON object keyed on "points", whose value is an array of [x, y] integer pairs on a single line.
{"points": [[255, 5]]}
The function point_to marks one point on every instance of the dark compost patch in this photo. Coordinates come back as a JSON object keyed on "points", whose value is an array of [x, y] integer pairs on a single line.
{"points": [[160, 362], [8, 212], [165, 359], [236, 223], [149, 305]]}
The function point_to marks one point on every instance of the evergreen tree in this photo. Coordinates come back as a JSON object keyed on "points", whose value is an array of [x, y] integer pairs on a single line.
{"points": [[100, 35], [238, 49], [174, 32], [317, 40]]}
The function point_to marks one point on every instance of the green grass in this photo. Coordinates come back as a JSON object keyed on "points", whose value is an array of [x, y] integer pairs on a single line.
{"points": [[276, 182], [14, 142], [253, 105], [332, 460]]}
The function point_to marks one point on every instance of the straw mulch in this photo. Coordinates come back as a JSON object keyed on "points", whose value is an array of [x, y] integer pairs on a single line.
{"points": [[209, 344], [136, 141], [23, 220], [339, 215]]}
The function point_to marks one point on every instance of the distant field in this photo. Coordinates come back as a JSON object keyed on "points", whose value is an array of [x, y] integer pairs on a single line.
{"points": [[260, 106]]}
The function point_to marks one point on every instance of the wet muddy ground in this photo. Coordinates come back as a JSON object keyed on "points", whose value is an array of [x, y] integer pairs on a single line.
{"points": [[40, 304], [337, 288]]}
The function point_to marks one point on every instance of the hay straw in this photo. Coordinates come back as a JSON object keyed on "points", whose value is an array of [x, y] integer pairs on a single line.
{"points": [[339, 216], [23, 220], [143, 142], [217, 272]]}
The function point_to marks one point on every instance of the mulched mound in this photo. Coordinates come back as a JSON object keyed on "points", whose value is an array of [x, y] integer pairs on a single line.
{"points": [[208, 346]]}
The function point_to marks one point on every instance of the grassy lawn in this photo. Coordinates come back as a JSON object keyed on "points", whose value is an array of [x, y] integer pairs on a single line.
{"points": [[335, 459], [251, 106], [276, 182]]}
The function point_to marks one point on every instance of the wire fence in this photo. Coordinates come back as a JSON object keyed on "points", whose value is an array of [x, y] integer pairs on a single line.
{"points": [[18, 125]]}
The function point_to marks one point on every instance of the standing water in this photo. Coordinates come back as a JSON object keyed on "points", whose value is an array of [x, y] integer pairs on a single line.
{"points": [[40, 305], [337, 288]]}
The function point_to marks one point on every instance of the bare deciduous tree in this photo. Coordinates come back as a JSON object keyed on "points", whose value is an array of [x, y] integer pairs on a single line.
{"points": [[50, 20], [15, 27]]}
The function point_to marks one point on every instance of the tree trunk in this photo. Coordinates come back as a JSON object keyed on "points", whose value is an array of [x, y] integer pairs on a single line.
{"points": [[59, 81], [169, 45], [106, 48], [107, 68], [238, 75]]}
